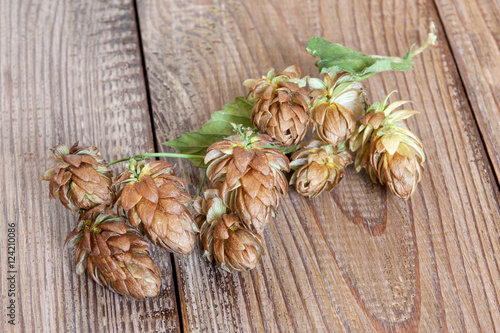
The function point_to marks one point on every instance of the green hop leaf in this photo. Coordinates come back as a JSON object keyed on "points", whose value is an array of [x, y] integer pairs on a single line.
{"points": [[336, 57], [216, 129]]}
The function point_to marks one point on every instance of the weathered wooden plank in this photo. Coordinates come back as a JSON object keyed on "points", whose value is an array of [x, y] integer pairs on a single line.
{"points": [[473, 30], [70, 70], [357, 260]]}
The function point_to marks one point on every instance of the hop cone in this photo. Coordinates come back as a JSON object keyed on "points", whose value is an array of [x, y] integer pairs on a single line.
{"points": [[251, 176], [282, 108], [318, 167], [115, 254], [390, 153], [335, 107], [80, 180], [224, 238], [153, 198]]}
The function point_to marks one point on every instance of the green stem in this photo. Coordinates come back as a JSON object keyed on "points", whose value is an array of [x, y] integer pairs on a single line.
{"points": [[202, 183], [149, 155], [366, 76], [431, 40]]}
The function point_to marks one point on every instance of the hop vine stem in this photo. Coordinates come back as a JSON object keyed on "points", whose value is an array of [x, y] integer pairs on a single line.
{"points": [[202, 183], [149, 155], [431, 40]]}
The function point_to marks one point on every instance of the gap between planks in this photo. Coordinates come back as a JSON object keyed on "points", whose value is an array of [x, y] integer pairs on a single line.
{"points": [[180, 312], [454, 54]]}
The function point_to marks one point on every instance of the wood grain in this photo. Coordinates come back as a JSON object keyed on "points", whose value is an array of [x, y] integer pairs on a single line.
{"points": [[357, 260], [69, 71], [473, 30]]}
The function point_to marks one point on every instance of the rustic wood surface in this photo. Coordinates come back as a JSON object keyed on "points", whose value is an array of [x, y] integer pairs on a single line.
{"points": [[70, 71], [473, 32], [355, 260]]}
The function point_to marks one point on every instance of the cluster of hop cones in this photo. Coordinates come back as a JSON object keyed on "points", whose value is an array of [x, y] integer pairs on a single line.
{"points": [[148, 200], [339, 116], [247, 174]]}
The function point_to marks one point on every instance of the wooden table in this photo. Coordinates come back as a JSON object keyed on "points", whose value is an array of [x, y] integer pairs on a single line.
{"points": [[128, 76]]}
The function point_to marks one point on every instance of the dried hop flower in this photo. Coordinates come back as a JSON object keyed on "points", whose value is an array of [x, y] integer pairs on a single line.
{"points": [[80, 180], [223, 237], [251, 176], [318, 167], [282, 108], [153, 199], [335, 107], [115, 254], [390, 153]]}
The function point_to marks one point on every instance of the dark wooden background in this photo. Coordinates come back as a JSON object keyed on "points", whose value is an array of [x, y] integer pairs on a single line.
{"points": [[128, 75]]}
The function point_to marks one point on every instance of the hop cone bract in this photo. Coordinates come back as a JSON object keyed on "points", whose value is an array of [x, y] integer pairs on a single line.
{"points": [[335, 107], [80, 180], [223, 237], [318, 167], [282, 108], [154, 200], [115, 254], [388, 150], [251, 176]]}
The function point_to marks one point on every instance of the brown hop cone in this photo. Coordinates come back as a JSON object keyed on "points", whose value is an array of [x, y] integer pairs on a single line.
{"points": [[318, 167], [282, 108], [154, 199], [251, 176], [335, 107], [390, 153], [115, 254], [80, 180], [223, 237]]}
